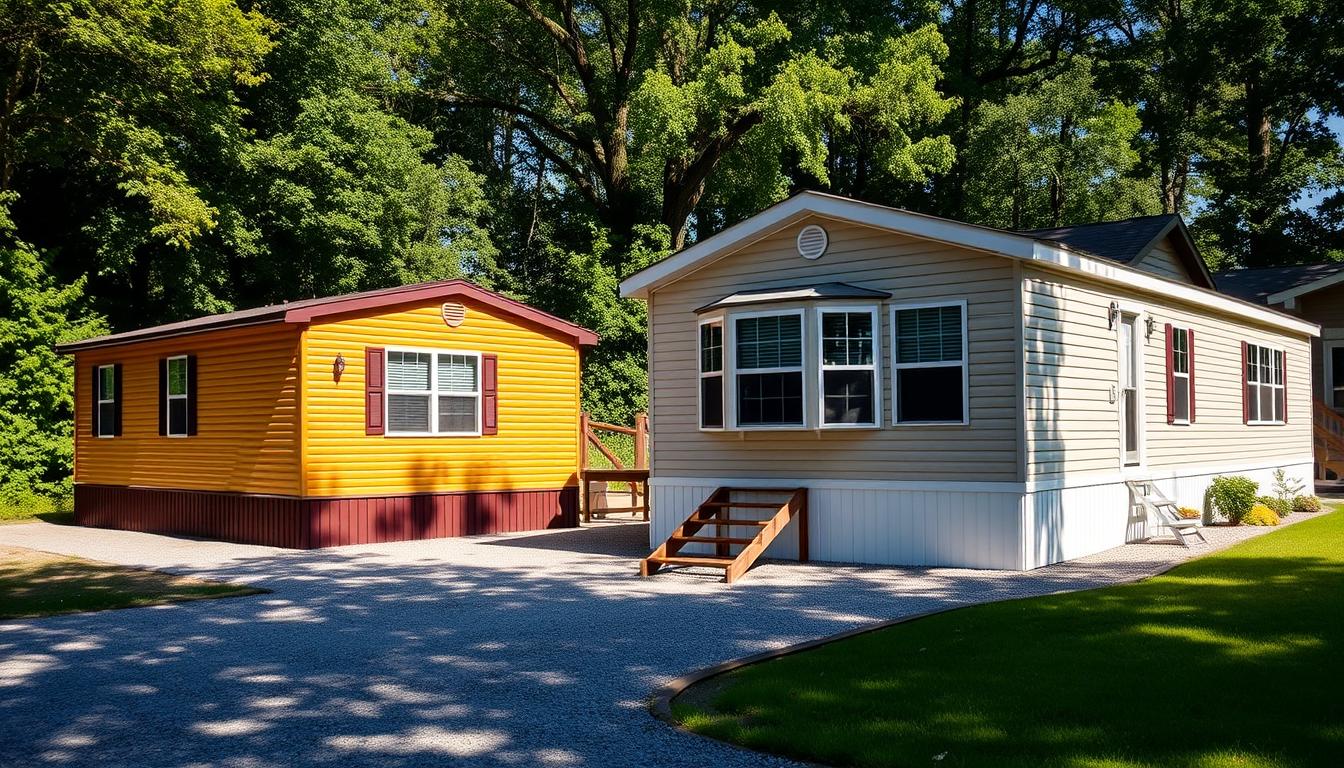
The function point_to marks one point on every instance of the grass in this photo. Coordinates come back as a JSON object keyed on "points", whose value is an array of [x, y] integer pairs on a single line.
{"points": [[42, 584], [1235, 659]]}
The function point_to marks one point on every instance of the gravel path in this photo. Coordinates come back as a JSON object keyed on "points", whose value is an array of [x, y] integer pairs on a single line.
{"points": [[521, 650]]}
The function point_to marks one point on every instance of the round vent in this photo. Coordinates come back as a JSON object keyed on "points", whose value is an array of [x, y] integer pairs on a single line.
{"points": [[454, 314], [812, 242]]}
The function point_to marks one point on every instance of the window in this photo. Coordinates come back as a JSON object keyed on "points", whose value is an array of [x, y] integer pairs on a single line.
{"points": [[433, 393], [1264, 385], [1334, 373], [177, 372], [1180, 382], [711, 374], [849, 389], [1131, 406], [107, 401], [929, 374], [769, 369]]}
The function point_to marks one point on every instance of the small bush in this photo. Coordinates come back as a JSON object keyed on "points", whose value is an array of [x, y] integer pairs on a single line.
{"points": [[1233, 496], [1306, 504], [1261, 515], [1281, 507], [1189, 513]]}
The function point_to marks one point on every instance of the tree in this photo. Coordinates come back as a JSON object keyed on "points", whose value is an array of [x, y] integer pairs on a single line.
{"points": [[36, 383]]}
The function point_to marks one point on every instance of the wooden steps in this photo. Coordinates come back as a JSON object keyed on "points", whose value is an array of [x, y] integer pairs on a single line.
{"points": [[713, 512], [1328, 440]]}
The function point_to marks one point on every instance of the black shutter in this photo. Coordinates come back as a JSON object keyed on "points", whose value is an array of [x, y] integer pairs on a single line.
{"points": [[93, 408], [163, 396], [191, 394], [116, 398]]}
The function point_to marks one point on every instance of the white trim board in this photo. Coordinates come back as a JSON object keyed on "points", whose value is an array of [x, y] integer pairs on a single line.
{"points": [[1302, 290], [1002, 243], [1164, 473]]}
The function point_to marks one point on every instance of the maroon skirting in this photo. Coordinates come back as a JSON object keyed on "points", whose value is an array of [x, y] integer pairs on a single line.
{"points": [[306, 523]]}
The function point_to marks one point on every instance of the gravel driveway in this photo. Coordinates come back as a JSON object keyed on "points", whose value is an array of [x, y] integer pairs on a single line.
{"points": [[520, 650]]}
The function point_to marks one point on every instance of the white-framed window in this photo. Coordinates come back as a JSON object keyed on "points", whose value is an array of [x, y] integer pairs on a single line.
{"points": [[850, 393], [1264, 385], [433, 392], [1180, 375], [178, 389], [768, 369], [929, 351], [711, 373], [1131, 390], [107, 401]]}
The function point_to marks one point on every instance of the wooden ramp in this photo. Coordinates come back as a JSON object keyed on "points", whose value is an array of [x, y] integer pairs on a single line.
{"points": [[713, 523], [1328, 439]]}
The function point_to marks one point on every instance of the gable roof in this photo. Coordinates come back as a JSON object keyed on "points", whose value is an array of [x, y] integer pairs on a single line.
{"points": [[307, 310], [1127, 241], [1259, 285], [1015, 245]]}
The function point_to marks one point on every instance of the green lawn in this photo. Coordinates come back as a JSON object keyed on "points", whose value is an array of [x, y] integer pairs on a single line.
{"points": [[1235, 659], [42, 584]]}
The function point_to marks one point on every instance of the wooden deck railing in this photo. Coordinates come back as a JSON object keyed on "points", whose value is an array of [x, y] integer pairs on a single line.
{"points": [[1328, 438], [637, 476]]}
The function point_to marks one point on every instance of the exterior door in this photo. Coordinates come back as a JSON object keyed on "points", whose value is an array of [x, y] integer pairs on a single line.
{"points": [[1131, 426]]}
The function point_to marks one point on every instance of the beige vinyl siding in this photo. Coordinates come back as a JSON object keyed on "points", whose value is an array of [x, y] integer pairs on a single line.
{"points": [[1162, 260], [1072, 425], [912, 270]]}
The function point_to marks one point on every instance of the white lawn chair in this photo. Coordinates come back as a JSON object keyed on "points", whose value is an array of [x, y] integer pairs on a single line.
{"points": [[1165, 511]]}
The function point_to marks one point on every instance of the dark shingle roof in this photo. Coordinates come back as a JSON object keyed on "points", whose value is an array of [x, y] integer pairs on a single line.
{"points": [[1258, 284], [1121, 241]]}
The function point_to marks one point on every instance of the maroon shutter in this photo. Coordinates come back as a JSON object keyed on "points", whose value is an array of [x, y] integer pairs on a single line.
{"points": [[1245, 387], [374, 376], [1190, 367], [163, 395], [93, 409], [1284, 368], [116, 399], [191, 394], [489, 394], [1171, 376]]}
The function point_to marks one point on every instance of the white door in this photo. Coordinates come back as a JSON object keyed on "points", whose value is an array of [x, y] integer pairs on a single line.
{"points": [[1131, 426]]}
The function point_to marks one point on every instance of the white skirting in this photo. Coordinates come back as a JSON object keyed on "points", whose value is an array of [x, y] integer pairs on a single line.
{"points": [[970, 525]]}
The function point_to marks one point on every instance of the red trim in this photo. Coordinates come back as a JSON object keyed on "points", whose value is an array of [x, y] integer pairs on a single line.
{"points": [[1285, 386], [1245, 387], [1190, 363], [446, 290], [1171, 376], [489, 394], [374, 373], [306, 523]]}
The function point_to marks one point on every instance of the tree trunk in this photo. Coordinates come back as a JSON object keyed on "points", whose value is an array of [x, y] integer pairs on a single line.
{"points": [[1259, 211]]}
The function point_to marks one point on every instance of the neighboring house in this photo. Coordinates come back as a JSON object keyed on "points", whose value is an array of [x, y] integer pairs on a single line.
{"points": [[950, 394], [1314, 292], [428, 410]]}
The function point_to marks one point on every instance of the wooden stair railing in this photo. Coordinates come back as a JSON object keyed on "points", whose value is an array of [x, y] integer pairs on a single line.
{"points": [[716, 512], [1327, 426]]}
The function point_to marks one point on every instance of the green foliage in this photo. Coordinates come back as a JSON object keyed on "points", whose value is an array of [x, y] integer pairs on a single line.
{"points": [[36, 384], [1307, 504], [1233, 496], [1285, 487], [1261, 514], [1281, 507]]}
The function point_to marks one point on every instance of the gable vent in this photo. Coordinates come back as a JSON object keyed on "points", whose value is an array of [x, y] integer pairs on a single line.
{"points": [[812, 242], [454, 314]]}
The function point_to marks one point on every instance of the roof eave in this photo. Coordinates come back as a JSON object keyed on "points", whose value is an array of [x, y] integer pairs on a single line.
{"points": [[1302, 290]]}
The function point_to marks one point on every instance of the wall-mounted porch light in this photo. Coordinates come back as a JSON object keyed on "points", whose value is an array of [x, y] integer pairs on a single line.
{"points": [[338, 367]]}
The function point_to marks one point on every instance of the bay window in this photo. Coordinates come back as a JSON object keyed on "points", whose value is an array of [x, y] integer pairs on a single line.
{"points": [[848, 363], [929, 376], [768, 375], [711, 374]]}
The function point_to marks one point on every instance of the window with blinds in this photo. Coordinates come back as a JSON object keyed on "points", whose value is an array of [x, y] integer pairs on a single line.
{"points": [[929, 364], [768, 352], [433, 393]]}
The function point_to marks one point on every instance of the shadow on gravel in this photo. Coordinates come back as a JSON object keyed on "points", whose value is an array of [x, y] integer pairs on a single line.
{"points": [[464, 656]]}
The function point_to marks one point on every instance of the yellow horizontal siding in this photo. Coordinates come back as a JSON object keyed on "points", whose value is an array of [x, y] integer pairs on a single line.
{"points": [[247, 415], [537, 444]]}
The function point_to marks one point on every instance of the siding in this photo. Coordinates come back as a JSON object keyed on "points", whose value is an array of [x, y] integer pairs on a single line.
{"points": [[248, 432], [1162, 260], [537, 444], [1072, 363], [909, 268], [1325, 307]]}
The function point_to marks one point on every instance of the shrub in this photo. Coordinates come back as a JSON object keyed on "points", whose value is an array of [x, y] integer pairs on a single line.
{"points": [[1261, 515], [1307, 504], [1189, 513], [1281, 507], [1233, 496]]}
